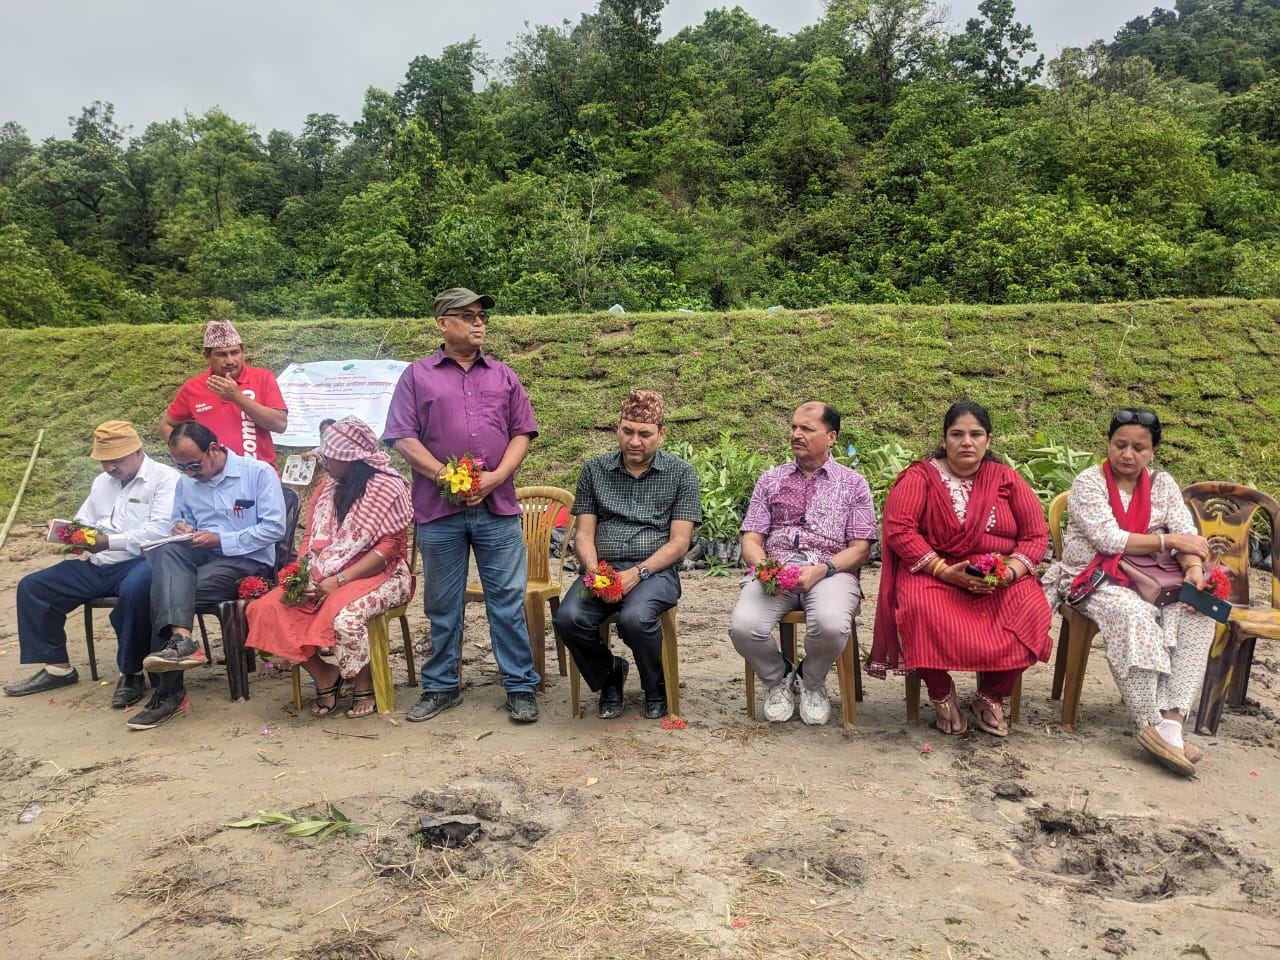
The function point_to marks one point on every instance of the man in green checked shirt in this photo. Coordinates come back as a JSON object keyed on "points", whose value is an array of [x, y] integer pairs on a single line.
{"points": [[636, 508]]}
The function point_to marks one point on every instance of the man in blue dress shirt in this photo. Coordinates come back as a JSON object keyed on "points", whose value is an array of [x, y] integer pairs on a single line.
{"points": [[233, 510]]}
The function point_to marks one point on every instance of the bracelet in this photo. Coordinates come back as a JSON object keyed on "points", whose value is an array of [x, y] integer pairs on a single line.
{"points": [[1191, 566], [938, 564], [1162, 543]]}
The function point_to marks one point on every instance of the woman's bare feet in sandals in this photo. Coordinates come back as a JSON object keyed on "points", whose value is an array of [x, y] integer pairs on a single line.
{"points": [[363, 704], [990, 716], [947, 716], [326, 700]]}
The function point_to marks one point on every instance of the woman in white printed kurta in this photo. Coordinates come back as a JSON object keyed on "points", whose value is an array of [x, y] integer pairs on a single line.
{"points": [[1156, 654]]}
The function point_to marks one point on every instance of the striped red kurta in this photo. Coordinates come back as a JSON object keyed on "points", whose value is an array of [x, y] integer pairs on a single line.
{"points": [[943, 627]]}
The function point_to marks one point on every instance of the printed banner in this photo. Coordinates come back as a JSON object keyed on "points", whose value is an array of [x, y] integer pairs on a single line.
{"points": [[333, 389]]}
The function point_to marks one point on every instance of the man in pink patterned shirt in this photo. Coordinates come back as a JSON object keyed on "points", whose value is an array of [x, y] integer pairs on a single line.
{"points": [[817, 515]]}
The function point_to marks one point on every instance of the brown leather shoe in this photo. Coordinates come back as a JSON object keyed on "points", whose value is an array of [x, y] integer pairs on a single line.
{"points": [[1165, 752]]}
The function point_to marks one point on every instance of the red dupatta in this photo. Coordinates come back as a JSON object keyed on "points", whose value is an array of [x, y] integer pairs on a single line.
{"points": [[1134, 520], [942, 530]]}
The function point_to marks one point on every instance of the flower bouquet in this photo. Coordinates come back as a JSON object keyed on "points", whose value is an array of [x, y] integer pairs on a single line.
{"points": [[461, 478], [251, 588], [773, 576], [602, 582], [994, 569], [76, 537], [296, 579]]}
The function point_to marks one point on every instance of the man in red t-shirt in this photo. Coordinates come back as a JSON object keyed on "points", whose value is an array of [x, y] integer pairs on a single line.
{"points": [[241, 404]]}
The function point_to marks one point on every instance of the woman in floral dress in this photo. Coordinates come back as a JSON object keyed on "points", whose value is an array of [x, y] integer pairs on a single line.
{"points": [[355, 542], [1157, 654]]}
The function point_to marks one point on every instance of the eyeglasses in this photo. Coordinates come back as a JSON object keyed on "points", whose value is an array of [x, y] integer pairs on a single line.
{"points": [[195, 465], [1144, 417], [471, 316]]}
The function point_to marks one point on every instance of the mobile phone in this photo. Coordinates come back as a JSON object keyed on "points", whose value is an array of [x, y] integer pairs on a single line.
{"points": [[973, 571]]}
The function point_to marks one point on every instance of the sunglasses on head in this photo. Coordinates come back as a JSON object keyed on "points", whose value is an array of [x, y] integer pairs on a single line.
{"points": [[1143, 417]]}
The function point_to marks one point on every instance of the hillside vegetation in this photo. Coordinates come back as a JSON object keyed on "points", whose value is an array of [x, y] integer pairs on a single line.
{"points": [[1208, 367]]}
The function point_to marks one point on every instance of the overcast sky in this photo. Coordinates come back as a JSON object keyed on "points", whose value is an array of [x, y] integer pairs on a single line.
{"points": [[272, 62]]}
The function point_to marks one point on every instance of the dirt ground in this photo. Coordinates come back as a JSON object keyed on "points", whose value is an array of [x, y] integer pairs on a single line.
{"points": [[728, 838]]}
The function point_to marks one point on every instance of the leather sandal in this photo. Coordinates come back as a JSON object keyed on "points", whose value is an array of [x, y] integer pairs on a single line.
{"points": [[361, 697], [984, 708], [319, 709], [946, 712]]}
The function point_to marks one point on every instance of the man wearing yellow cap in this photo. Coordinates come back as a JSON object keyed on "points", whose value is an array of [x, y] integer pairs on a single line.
{"points": [[130, 502], [241, 404]]}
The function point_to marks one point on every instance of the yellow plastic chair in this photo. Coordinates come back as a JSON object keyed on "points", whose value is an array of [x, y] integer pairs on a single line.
{"points": [[384, 687], [1224, 514], [670, 664], [540, 507], [1074, 638], [848, 669]]}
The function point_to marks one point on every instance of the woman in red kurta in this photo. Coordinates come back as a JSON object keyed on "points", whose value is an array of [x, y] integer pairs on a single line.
{"points": [[356, 539], [958, 508]]}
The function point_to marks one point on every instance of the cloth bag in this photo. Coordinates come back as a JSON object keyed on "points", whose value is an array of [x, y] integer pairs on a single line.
{"points": [[1156, 578]]}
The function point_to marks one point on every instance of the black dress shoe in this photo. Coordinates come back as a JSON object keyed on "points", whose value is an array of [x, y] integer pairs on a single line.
{"points": [[39, 682], [129, 690], [655, 708], [610, 707]]}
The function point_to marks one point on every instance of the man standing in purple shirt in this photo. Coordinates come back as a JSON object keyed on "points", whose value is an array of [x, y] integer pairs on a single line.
{"points": [[818, 515], [459, 401]]}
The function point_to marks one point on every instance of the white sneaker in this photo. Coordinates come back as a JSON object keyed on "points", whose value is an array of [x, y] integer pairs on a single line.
{"points": [[815, 707], [780, 700]]}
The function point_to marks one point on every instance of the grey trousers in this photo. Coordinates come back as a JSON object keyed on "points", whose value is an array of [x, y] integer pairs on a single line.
{"points": [[829, 609], [184, 580]]}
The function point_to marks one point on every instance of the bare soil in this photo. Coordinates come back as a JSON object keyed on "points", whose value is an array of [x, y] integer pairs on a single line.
{"points": [[729, 838]]}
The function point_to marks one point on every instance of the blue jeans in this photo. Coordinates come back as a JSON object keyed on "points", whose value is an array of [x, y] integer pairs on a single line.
{"points": [[499, 549]]}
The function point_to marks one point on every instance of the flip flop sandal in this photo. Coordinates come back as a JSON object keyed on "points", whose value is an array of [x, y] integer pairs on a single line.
{"points": [[946, 711], [320, 710], [982, 708], [362, 696]]}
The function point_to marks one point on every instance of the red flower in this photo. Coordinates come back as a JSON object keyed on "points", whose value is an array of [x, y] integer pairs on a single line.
{"points": [[602, 581], [1218, 583], [673, 723], [290, 570], [253, 587]]}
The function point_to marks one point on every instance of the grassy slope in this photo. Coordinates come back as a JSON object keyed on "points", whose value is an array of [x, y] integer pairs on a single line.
{"points": [[1208, 367]]}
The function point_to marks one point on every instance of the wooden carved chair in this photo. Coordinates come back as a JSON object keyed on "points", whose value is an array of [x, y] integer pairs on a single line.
{"points": [[848, 668], [1075, 637], [540, 508], [1224, 513]]}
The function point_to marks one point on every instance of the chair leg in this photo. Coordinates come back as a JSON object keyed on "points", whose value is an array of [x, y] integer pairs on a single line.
{"points": [[560, 650], [846, 668], [88, 641], [913, 698], [1060, 662], [751, 690], [574, 678], [1240, 668], [857, 664], [1015, 703], [537, 628], [235, 630], [1078, 643], [295, 674], [384, 687], [670, 662], [408, 648], [1217, 678]]}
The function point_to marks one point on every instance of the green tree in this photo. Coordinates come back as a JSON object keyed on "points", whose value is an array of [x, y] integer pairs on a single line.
{"points": [[993, 51]]}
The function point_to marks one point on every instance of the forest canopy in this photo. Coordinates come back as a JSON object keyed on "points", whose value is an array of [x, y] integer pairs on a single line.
{"points": [[872, 157]]}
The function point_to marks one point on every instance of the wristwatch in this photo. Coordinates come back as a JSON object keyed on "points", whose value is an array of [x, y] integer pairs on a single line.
{"points": [[340, 578], [831, 570], [644, 573]]}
